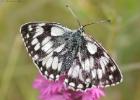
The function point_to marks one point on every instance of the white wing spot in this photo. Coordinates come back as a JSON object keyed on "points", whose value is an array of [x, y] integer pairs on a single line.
{"points": [[110, 77], [88, 80], [34, 41], [91, 60], [103, 62], [107, 85], [43, 62], [55, 31], [75, 71], [46, 73], [87, 84], [94, 73], [113, 68], [37, 46], [49, 51], [80, 75], [107, 82], [100, 74], [70, 71], [58, 49], [80, 86], [55, 63], [35, 57], [30, 28], [57, 77], [66, 80], [47, 46], [117, 83], [79, 55], [59, 66], [113, 84], [83, 64], [31, 52], [41, 68], [26, 42], [45, 40], [92, 48], [39, 31], [48, 56], [87, 65], [28, 46], [49, 62], [27, 36], [51, 76], [72, 84]]}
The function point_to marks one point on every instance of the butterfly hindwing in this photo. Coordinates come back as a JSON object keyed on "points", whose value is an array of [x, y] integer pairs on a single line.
{"points": [[44, 42], [92, 67]]}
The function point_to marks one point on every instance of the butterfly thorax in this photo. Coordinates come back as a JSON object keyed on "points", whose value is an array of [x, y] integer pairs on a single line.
{"points": [[77, 37], [73, 43]]}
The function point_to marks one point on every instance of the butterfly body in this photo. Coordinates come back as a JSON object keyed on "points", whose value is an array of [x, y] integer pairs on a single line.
{"points": [[57, 50]]}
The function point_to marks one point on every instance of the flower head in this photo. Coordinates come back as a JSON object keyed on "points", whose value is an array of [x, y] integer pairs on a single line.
{"points": [[55, 90]]}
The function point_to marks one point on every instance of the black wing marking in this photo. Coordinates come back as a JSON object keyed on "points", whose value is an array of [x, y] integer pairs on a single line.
{"points": [[92, 67], [37, 35], [45, 43]]}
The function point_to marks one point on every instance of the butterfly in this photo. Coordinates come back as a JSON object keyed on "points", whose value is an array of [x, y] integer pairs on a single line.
{"points": [[58, 50]]}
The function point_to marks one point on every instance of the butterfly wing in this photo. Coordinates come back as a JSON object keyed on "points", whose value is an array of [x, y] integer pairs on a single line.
{"points": [[92, 67], [45, 43], [86, 65]]}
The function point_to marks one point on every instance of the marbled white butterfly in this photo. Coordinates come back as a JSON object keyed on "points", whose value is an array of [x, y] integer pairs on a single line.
{"points": [[57, 50]]}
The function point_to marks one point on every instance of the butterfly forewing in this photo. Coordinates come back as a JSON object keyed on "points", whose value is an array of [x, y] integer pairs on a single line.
{"points": [[44, 43]]}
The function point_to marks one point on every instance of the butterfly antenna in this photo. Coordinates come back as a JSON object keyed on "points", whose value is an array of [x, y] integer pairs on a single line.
{"points": [[98, 22], [72, 12]]}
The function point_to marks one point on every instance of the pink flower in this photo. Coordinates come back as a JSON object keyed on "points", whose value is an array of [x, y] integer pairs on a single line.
{"points": [[50, 90]]}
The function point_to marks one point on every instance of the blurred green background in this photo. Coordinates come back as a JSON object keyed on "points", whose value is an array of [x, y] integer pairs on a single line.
{"points": [[121, 38]]}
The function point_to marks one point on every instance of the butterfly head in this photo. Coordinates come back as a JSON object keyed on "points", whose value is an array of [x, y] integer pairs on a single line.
{"points": [[81, 29]]}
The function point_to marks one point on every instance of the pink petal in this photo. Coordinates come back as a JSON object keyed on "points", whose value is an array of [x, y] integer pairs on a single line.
{"points": [[55, 90], [93, 94], [57, 96]]}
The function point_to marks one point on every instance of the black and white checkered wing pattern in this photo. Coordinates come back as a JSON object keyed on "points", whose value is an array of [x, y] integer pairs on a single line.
{"points": [[56, 49], [44, 42], [92, 67]]}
